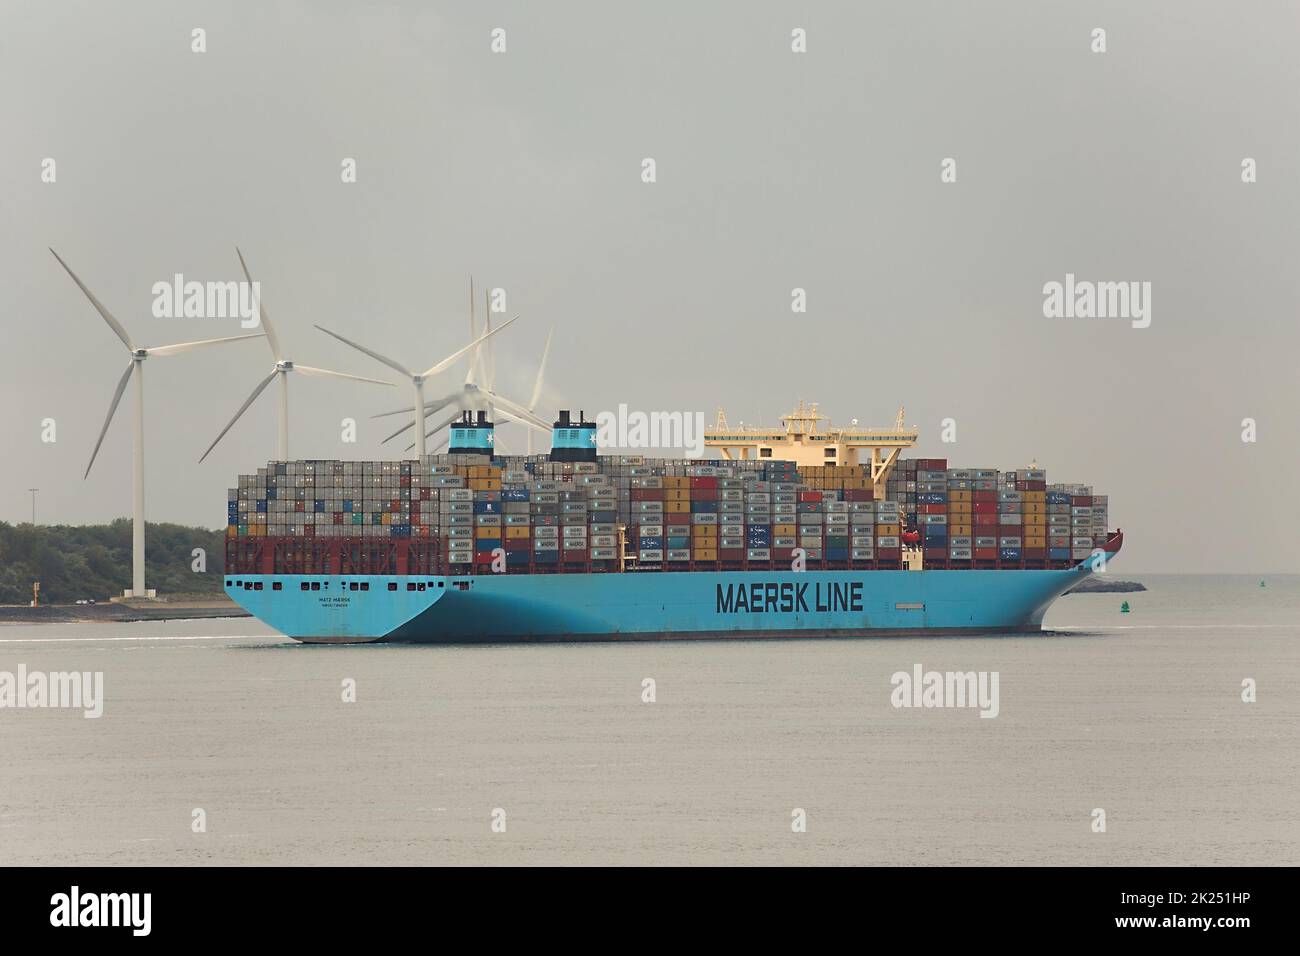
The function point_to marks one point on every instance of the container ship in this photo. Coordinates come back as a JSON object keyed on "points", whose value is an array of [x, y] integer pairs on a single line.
{"points": [[804, 530]]}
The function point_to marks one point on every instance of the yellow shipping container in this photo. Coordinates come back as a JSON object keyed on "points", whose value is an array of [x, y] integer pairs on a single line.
{"points": [[887, 531], [676, 507], [704, 531], [959, 529], [1039, 497], [785, 530], [677, 494], [386, 518], [705, 554], [958, 496], [482, 532], [517, 531], [675, 482]]}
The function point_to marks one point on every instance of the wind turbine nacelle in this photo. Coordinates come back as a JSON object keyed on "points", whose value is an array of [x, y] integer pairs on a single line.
{"points": [[472, 436], [573, 440]]}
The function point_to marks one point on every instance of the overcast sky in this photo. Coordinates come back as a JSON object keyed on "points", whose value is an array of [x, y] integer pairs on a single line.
{"points": [[775, 170]]}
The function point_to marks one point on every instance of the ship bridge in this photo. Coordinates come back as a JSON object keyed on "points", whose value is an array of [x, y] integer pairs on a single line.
{"points": [[807, 437]]}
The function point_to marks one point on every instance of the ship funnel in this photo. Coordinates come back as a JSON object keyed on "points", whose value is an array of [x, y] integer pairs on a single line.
{"points": [[573, 440], [472, 436]]}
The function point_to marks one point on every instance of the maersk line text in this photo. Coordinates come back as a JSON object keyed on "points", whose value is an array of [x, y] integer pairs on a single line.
{"points": [[770, 597]]}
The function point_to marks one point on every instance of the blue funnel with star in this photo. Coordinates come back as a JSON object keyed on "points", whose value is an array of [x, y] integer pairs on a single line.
{"points": [[472, 436], [573, 440]]}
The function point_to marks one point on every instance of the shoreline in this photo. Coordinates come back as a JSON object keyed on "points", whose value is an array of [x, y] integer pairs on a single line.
{"points": [[122, 613]]}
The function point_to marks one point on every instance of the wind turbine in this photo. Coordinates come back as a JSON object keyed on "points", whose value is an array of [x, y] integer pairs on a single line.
{"points": [[537, 386], [473, 397], [136, 368], [281, 370], [417, 380]]}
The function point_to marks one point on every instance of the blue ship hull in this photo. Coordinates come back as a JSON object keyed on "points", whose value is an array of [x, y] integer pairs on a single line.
{"points": [[650, 605]]}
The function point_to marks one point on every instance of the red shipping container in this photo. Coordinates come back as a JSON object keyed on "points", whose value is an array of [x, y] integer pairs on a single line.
{"points": [[676, 518], [574, 555], [859, 494], [888, 554], [518, 544], [704, 483], [704, 494], [482, 557], [984, 496], [940, 553], [986, 554], [932, 509], [806, 496], [1081, 501], [424, 494], [1034, 554], [932, 464], [647, 494], [404, 481], [731, 554], [300, 506], [309, 531], [338, 517], [984, 507]]}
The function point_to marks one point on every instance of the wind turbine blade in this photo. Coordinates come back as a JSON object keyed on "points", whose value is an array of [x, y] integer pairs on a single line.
{"points": [[429, 407], [407, 427], [431, 432], [541, 370], [324, 372], [391, 363], [112, 407], [266, 319], [473, 334], [261, 386], [189, 346], [528, 423], [491, 359], [515, 410], [435, 449], [115, 325], [435, 369]]}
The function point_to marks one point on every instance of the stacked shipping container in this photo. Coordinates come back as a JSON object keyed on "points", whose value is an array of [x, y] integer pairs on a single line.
{"points": [[669, 514]]}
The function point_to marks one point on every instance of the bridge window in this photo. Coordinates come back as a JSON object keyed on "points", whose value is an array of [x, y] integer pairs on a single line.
{"points": [[315, 585], [765, 453], [365, 585], [227, 582], [392, 585], [257, 586], [410, 586], [276, 586], [353, 586], [305, 586]]}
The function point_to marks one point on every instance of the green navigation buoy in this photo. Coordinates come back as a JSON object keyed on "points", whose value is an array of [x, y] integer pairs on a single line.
{"points": [[1261, 583], [1123, 608]]}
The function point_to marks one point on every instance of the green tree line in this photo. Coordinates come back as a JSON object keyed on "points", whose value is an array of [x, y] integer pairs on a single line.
{"points": [[73, 562]]}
